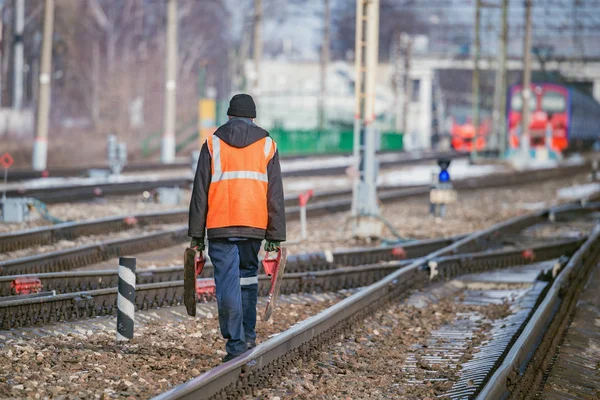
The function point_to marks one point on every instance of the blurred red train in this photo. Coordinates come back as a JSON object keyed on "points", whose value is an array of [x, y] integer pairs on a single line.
{"points": [[463, 133], [570, 118]]}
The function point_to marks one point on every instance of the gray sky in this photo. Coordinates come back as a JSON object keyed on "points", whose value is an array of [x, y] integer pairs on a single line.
{"points": [[572, 30]]}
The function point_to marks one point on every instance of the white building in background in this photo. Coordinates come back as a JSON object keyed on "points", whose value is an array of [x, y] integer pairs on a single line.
{"points": [[288, 92], [288, 97]]}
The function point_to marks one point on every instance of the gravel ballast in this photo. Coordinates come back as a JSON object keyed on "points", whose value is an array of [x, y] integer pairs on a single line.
{"points": [[95, 365], [368, 362]]}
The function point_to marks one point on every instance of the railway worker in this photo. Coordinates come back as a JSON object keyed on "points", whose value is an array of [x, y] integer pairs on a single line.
{"points": [[238, 198]]}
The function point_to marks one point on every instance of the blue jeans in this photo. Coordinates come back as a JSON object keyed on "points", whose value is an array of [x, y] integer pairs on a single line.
{"points": [[236, 278]]}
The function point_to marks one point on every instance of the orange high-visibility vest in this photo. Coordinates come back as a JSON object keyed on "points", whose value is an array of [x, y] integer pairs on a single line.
{"points": [[237, 195]]}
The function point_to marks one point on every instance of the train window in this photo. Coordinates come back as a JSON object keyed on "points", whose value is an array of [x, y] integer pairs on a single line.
{"points": [[516, 102], [553, 102]]}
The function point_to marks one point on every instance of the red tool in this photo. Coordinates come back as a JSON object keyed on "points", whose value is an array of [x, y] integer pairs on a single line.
{"points": [[274, 267], [193, 263], [26, 285]]}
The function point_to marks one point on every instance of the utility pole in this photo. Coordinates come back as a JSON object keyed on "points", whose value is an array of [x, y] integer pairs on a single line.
{"points": [[257, 44], [167, 154], [18, 24], [408, 41], [40, 146], [475, 84], [2, 84], [526, 90], [324, 64], [498, 137], [364, 202]]}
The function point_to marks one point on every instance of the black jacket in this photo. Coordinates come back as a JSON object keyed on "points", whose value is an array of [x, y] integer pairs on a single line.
{"points": [[238, 132]]}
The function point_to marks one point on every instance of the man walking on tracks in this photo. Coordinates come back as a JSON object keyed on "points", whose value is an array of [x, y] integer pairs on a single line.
{"points": [[238, 198]]}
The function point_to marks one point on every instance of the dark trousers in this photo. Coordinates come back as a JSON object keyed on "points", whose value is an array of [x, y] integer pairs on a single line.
{"points": [[236, 278]]}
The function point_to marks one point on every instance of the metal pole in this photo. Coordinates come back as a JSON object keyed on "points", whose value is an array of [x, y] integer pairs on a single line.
{"points": [[497, 136], [395, 61], [324, 63], [257, 45], [407, 84], [358, 102], [303, 234], [372, 58], [19, 23], [475, 84], [502, 128], [167, 154], [5, 183], [367, 54], [40, 146], [526, 92]]}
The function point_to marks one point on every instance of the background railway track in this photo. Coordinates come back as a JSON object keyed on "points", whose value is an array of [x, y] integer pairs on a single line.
{"points": [[323, 203], [65, 172], [90, 191]]}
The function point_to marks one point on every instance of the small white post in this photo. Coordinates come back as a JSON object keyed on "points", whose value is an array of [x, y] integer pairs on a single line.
{"points": [[302, 200], [303, 234]]}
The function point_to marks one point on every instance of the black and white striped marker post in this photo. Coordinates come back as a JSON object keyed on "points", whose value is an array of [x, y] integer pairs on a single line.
{"points": [[126, 298]]}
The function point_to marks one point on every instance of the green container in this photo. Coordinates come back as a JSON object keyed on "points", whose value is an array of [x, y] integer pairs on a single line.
{"points": [[300, 142]]}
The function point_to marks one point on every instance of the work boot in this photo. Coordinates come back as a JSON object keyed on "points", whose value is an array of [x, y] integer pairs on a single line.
{"points": [[229, 357], [250, 345]]}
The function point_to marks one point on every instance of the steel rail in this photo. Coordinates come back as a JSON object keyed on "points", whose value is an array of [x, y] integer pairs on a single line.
{"points": [[522, 368], [24, 174], [392, 257], [72, 230], [410, 159], [240, 375], [91, 191], [66, 259], [87, 280], [11, 241], [72, 258], [17, 240], [76, 257], [84, 304]]}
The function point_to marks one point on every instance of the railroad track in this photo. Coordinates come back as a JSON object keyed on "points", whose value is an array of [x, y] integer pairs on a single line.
{"points": [[90, 191], [96, 290], [324, 203], [270, 359], [403, 158]]}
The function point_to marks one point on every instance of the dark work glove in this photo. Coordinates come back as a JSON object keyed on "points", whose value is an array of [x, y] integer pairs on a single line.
{"points": [[272, 245], [198, 242]]}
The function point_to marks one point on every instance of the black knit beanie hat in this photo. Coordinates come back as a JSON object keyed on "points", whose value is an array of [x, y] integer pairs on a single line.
{"points": [[242, 105]]}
